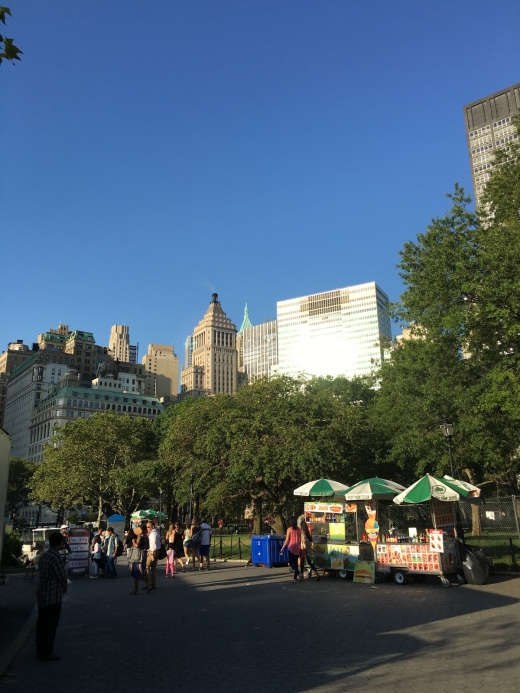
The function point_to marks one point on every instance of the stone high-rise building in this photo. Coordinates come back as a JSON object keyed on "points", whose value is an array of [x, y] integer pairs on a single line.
{"points": [[162, 371], [119, 346], [488, 127], [211, 354]]}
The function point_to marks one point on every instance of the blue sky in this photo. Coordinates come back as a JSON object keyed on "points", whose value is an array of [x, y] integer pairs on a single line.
{"points": [[154, 152]]}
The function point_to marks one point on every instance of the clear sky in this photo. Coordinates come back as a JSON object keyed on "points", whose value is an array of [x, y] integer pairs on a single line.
{"points": [[154, 152]]}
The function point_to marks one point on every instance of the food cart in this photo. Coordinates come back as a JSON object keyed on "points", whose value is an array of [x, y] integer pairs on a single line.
{"points": [[346, 531], [426, 550]]}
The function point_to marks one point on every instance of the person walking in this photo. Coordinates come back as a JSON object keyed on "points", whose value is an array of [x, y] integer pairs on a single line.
{"points": [[51, 588], [97, 555], [205, 544], [178, 538], [306, 552], [195, 542], [292, 542], [110, 548], [135, 557], [154, 544], [187, 544]]}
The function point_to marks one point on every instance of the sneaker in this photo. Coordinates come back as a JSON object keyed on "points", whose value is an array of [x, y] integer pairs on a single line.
{"points": [[69, 582]]}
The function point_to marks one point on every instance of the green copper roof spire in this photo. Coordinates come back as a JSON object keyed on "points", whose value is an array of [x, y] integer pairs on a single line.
{"points": [[246, 322]]}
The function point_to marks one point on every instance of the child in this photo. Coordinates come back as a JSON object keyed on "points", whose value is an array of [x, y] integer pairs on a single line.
{"points": [[170, 562]]}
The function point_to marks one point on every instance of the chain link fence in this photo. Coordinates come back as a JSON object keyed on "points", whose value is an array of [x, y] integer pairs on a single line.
{"points": [[494, 526]]}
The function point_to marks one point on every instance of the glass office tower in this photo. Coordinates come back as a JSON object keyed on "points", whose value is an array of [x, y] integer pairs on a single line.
{"points": [[340, 332]]}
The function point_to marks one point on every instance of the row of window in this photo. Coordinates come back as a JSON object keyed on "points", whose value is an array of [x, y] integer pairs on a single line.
{"points": [[480, 131], [114, 407], [484, 148]]}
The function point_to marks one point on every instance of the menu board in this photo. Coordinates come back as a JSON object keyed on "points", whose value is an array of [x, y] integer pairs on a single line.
{"points": [[443, 513], [324, 507], [336, 530], [417, 557], [335, 556], [436, 540], [79, 542]]}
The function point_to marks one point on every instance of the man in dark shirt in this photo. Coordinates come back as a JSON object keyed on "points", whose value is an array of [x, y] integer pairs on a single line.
{"points": [[51, 588]]}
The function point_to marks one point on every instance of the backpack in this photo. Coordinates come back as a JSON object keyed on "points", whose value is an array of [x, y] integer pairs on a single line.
{"points": [[196, 539], [119, 548]]}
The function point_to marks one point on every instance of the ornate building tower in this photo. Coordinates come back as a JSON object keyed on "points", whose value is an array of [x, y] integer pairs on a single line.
{"points": [[212, 367]]}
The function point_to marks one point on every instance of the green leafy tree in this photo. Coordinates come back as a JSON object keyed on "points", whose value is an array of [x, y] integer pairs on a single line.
{"points": [[20, 474], [8, 51], [105, 460], [257, 446]]}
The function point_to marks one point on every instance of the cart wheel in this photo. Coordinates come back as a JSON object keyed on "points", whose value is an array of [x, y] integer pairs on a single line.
{"points": [[445, 582], [400, 577], [342, 574], [461, 579], [419, 578]]}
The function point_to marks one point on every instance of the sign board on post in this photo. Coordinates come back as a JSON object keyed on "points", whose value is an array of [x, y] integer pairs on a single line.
{"points": [[79, 542], [365, 572]]}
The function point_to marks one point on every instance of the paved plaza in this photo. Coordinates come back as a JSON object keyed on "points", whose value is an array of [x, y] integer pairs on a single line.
{"points": [[238, 629]]}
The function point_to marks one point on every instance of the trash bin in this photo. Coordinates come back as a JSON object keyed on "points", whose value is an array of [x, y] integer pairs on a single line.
{"points": [[265, 550]]}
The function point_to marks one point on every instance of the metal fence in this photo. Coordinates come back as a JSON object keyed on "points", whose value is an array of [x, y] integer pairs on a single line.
{"points": [[498, 518], [230, 547]]}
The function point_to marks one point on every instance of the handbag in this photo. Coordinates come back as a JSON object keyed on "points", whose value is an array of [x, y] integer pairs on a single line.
{"points": [[134, 554]]}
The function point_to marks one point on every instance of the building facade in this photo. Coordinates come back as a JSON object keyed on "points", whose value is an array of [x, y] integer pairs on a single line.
{"points": [[211, 354], [78, 350], [340, 332], [15, 354], [29, 383], [162, 371], [489, 127], [71, 403]]}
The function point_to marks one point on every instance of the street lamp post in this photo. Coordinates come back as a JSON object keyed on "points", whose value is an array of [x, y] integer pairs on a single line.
{"points": [[447, 430]]}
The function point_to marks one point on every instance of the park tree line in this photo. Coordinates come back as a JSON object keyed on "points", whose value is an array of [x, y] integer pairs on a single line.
{"points": [[462, 362]]}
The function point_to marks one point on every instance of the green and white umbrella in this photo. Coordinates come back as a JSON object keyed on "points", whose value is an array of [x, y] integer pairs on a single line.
{"points": [[373, 489], [147, 513], [444, 489], [321, 487]]}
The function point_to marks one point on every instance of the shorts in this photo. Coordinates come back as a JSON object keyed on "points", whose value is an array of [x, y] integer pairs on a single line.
{"points": [[204, 550]]}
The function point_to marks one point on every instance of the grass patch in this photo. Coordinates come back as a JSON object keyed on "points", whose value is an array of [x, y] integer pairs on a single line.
{"points": [[496, 546], [231, 547]]}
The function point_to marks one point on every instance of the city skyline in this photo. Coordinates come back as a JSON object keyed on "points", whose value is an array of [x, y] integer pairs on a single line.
{"points": [[281, 141]]}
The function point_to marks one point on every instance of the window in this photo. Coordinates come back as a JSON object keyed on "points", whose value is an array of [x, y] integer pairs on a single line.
{"points": [[75, 403], [124, 407], [118, 407], [96, 406], [68, 402]]}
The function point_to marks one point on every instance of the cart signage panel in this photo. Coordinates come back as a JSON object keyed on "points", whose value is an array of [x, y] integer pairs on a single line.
{"points": [[365, 572], [79, 540], [324, 507]]}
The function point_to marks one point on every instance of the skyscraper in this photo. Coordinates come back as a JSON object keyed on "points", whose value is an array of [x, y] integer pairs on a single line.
{"points": [[211, 352], [260, 349], [162, 366], [119, 346], [339, 332], [488, 127]]}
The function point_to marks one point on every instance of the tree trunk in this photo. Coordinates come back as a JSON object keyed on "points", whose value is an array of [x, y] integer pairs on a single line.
{"points": [[476, 523], [100, 511], [257, 515], [278, 521]]}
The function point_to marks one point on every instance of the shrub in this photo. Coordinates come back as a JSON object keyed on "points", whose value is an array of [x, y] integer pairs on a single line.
{"points": [[12, 552]]}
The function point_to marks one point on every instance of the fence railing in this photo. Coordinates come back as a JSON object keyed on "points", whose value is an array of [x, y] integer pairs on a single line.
{"points": [[231, 547]]}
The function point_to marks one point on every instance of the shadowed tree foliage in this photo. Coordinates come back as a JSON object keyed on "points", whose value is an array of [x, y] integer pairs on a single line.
{"points": [[8, 51]]}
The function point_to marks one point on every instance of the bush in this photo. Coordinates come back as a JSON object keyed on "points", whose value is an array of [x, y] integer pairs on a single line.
{"points": [[12, 553]]}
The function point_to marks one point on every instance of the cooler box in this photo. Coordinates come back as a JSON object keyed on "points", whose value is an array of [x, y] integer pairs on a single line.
{"points": [[265, 550]]}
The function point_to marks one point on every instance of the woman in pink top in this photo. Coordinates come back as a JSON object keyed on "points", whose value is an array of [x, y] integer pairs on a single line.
{"points": [[292, 541]]}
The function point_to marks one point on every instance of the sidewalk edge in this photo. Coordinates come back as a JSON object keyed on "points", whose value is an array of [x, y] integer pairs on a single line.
{"points": [[7, 657]]}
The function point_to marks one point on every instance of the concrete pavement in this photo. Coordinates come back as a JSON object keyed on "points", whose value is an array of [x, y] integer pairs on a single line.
{"points": [[238, 629]]}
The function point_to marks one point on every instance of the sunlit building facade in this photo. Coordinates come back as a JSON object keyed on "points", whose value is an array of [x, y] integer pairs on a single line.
{"points": [[340, 332]]}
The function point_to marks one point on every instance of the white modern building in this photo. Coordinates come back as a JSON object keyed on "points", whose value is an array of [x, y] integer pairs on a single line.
{"points": [[340, 332]]}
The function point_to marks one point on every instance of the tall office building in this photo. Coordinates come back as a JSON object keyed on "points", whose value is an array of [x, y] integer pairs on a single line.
{"points": [[211, 353], [488, 127], [119, 346], [260, 350], [340, 332], [162, 371]]}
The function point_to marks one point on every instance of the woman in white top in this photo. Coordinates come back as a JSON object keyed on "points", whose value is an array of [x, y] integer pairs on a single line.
{"points": [[97, 555]]}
